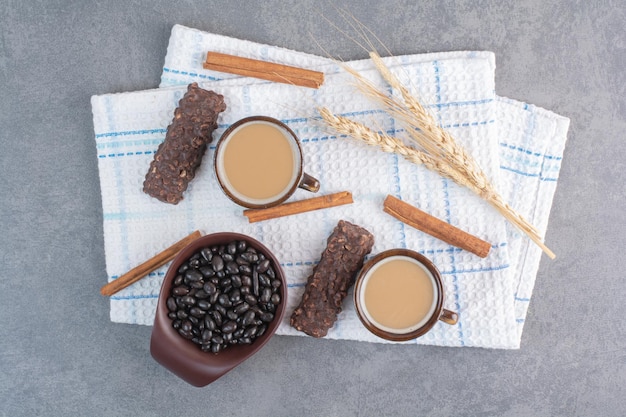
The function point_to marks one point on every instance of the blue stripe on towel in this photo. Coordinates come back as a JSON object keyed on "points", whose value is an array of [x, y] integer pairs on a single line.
{"points": [[130, 132], [191, 74], [530, 151], [453, 272], [527, 174], [455, 282]]}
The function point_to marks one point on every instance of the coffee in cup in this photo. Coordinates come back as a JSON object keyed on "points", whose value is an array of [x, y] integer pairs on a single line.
{"points": [[259, 163], [399, 295]]}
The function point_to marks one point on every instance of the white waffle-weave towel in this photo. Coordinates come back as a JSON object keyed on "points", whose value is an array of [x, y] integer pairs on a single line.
{"points": [[530, 139], [129, 127]]}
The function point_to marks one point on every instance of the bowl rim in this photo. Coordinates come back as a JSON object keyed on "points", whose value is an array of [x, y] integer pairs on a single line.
{"points": [[183, 357]]}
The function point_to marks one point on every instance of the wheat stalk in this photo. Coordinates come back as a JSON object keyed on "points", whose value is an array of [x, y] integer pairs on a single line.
{"points": [[423, 128], [389, 144], [438, 151]]}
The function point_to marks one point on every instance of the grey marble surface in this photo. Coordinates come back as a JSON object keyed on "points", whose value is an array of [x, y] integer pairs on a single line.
{"points": [[59, 353]]}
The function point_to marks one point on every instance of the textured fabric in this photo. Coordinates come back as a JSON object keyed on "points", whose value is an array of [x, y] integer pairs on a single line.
{"points": [[519, 146]]}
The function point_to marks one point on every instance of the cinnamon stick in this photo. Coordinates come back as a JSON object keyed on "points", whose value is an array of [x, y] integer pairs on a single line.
{"points": [[150, 265], [420, 220], [264, 70], [297, 207]]}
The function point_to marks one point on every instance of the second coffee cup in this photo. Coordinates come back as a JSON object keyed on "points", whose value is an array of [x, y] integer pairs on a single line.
{"points": [[258, 163], [399, 295]]}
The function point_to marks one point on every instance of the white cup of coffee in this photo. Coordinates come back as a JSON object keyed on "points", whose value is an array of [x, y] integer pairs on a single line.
{"points": [[399, 295], [258, 163]]}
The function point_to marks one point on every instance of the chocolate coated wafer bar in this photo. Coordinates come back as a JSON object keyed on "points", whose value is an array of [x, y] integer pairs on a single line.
{"points": [[175, 161], [332, 277]]}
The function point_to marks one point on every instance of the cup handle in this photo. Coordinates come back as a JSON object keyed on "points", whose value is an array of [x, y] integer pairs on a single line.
{"points": [[309, 183], [449, 317]]}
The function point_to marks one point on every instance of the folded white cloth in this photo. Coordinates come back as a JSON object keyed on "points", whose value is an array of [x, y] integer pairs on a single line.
{"points": [[491, 295], [532, 141]]}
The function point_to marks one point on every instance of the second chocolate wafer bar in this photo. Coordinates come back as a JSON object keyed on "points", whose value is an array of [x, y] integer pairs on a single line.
{"points": [[331, 279]]}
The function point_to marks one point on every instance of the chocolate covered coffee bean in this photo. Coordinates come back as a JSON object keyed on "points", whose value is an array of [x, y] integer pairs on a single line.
{"points": [[225, 295]]}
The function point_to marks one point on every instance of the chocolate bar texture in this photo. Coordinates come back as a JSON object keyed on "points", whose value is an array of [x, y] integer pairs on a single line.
{"points": [[180, 154], [331, 279]]}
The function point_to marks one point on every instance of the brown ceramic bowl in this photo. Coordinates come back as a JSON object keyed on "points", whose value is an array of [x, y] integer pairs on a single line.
{"points": [[185, 358]]}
